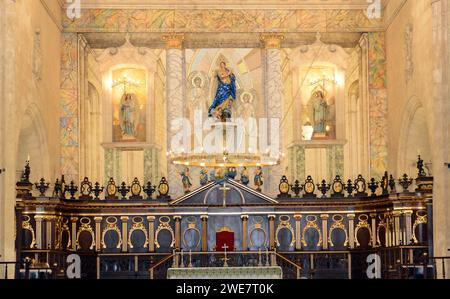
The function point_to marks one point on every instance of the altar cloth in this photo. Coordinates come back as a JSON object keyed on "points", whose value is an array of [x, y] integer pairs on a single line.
{"points": [[226, 273]]}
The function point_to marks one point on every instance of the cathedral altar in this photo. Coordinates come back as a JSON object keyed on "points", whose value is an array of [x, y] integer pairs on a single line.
{"points": [[150, 140], [141, 230]]}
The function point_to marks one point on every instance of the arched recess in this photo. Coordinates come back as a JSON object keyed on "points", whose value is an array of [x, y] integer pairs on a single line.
{"points": [[414, 138], [91, 149], [33, 142], [356, 131]]}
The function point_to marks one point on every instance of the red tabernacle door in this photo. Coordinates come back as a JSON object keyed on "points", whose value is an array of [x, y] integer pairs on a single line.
{"points": [[225, 236]]}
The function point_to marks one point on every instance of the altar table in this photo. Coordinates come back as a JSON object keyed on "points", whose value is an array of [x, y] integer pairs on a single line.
{"points": [[226, 273]]}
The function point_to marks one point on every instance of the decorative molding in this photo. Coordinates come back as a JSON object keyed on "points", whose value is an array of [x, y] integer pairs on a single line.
{"points": [[223, 20]]}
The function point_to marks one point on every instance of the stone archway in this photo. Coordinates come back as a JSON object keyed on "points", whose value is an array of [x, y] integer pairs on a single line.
{"points": [[33, 142], [414, 138]]}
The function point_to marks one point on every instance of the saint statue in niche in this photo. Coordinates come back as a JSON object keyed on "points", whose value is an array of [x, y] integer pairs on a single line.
{"points": [[225, 94], [320, 110], [129, 115]]}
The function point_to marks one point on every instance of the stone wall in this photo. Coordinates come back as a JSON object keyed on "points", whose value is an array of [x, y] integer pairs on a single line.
{"points": [[29, 76]]}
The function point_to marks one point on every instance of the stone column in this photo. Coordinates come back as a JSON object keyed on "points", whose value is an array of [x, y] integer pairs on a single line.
{"points": [[298, 233], [244, 232], [177, 232], [74, 232], [98, 231], [151, 232], [48, 232], [204, 232], [124, 233], [174, 100], [374, 229], [397, 228], [408, 225], [351, 230], [273, 94], [388, 232], [39, 219], [439, 109], [272, 232], [324, 218]]}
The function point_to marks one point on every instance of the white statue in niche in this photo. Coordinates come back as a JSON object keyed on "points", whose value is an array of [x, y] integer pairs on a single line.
{"points": [[198, 85], [129, 115]]}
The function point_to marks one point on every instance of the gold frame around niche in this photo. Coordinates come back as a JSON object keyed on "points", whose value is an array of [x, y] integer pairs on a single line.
{"points": [[338, 224], [311, 224], [164, 225], [26, 225], [421, 219], [111, 226], [285, 224], [192, 226], [138, 225], [86, 226], [258, 226], [363, 223]]}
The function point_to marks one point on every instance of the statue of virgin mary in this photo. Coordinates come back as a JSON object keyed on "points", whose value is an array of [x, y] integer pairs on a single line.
{"points": [[129, 115], [225, 94]]}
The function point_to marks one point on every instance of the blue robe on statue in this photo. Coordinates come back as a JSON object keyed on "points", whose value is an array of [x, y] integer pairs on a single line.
{"points": [[224, 92]]}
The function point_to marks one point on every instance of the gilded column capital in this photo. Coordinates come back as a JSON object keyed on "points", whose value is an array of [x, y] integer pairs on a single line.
{"points": [[397, 213], [408, 212], [38, 217], [177, 218], [204, 217], [298, 217], [272, 40], [174, 40], [244, 217], [73, 219], [324, 216], [271, 217], [373, 215], [151, 218], [351, 216], [124, 218], [98, 219]]}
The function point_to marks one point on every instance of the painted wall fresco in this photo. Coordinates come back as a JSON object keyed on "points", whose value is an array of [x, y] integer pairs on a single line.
{"points": [[228, 20], [69, 137], [378, 103]]}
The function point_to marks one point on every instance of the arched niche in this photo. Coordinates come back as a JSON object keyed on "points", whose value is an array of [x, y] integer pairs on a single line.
{"points": [[414, 137], [127, 56], [309, 62], [33, 143]]}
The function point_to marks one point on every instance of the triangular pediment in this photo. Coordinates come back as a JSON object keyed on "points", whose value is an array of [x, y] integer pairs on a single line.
{"points": [[235, 193]]}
